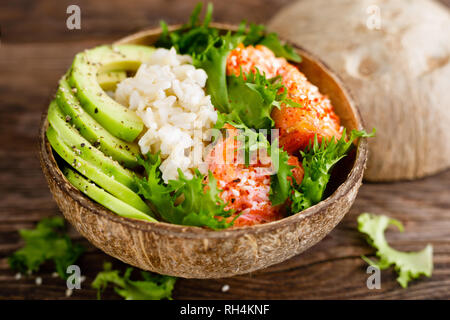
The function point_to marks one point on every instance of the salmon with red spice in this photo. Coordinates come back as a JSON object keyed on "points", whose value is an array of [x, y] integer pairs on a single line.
{"points": [[298, 126], [246, 189]]}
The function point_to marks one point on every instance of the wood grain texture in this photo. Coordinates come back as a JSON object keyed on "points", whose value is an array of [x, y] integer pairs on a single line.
{"points": [[36, 49]]}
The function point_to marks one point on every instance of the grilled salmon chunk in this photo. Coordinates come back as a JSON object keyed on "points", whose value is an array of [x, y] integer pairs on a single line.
{"points": [[246, 189], [298, 126]]}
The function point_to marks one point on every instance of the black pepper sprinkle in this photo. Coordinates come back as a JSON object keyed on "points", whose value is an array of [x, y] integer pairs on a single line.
{"points": [[82, 144], [233, 200], [68, 118], [237, 180], [96, 110]]}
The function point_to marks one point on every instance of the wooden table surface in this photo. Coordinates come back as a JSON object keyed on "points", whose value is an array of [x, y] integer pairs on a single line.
{"points": [[36, 49]]}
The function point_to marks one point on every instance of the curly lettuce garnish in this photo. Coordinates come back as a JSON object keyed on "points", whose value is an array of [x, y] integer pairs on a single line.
{"points": [[318, 160], [256, 34], [253, 97], [184, 201], [280, 184], [47, 242], [151, 287], [193, 37], [210, 50], [214, 61], [408, 265]]}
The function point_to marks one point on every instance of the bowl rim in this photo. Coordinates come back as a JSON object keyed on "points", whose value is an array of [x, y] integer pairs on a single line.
{"points": [[192, 232]]}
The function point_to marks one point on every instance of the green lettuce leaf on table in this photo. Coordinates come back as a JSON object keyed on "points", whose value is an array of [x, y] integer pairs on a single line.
{"points": [[151, 287], [46, 242], [408, 265]]}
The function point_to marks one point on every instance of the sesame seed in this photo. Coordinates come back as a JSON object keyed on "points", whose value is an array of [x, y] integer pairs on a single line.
{"points": [[69, 292], [38, 281], [54, 274], [18, 276], [225, 288]]}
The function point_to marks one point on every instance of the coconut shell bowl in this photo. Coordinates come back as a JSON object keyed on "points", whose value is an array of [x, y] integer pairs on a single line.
{"points": [[193, 252]]}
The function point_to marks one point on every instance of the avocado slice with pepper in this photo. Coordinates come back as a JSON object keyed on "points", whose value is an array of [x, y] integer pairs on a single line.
{"points": [[91, 172], [108, 80], [73, 139], [89, 128], [117, 119], [104, 198]]}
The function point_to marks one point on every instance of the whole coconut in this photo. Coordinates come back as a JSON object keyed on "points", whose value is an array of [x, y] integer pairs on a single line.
{"points": [[394, 58]]}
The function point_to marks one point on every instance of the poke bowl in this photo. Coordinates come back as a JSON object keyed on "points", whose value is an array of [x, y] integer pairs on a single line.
{"points": [[192, 251]]}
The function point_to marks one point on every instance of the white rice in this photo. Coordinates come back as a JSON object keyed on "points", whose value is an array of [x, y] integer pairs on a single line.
{"points": [[168, 94]]}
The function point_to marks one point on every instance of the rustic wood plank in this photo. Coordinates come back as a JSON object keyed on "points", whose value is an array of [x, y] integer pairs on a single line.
{"points": [[45, 20], [36, 50]]}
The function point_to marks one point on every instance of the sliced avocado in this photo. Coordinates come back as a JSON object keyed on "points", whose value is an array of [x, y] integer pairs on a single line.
{"points": [[117, 119], [73, 139], [104, 198], [108, 80], [124, 152], [91, 172]]}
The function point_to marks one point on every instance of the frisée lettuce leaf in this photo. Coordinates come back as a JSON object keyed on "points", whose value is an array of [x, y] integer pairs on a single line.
{"points": [[184, 201], [280, 184], [318, 160], [209, 49], [46, 242], [409, 265], [253, 96], [193, 37], [257, 34], [214, 61], [151, 287]]}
